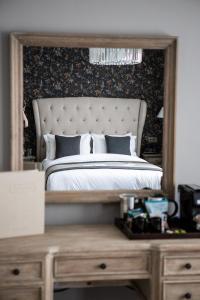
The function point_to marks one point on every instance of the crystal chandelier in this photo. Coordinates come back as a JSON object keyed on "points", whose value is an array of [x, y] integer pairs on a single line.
{"points": [[115, 56]]}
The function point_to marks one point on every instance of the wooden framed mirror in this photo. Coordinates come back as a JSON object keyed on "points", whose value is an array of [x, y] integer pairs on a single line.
{"points": [[166, 43]]}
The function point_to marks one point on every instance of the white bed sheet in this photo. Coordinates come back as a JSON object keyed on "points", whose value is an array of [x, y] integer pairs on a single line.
{"points": [[100, 179]]}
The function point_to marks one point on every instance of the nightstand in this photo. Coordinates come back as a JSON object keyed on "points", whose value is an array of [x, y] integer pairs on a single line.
{"points": [[153, 158], [32, 165]]}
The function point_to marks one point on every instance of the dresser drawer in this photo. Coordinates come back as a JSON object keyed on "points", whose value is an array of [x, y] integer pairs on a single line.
{"points": [[69, 267], [181, 291], [21, 294], [21, 271], [181, 266]]}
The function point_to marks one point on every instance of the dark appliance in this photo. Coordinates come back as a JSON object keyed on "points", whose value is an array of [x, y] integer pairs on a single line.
{"points": [[189, 205]]}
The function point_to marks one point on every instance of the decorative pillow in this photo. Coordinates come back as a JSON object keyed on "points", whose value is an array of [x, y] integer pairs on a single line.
{"points": [[118, 145], [99, 143], [50, 142], [50, 146], [66, 146]]}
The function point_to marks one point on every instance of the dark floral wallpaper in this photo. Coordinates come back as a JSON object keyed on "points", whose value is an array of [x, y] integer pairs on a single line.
{"points": [[64, 72]]}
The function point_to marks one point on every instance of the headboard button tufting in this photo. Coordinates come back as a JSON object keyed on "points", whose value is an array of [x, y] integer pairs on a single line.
{"points": [[73, 115]]}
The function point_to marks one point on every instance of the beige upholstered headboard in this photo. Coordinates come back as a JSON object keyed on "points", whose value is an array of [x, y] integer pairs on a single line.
{"points": [[76, 115]]}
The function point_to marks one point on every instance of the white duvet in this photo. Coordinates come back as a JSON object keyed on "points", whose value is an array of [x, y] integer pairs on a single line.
{"points": [[100, 179]]}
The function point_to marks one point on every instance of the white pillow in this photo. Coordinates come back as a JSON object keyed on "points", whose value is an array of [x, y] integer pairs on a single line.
{"points": [[99, 143], [51, 144]]}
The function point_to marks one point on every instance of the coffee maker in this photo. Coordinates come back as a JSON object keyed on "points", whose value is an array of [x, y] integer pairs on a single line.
{"points": [[190, 206]]}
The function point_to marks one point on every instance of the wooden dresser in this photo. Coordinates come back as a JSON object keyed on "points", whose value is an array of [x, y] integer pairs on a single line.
{"points": [[98, 255], [178, 270]]}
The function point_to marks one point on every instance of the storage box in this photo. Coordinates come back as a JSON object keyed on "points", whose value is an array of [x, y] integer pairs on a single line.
{"points": [[22, 203]]}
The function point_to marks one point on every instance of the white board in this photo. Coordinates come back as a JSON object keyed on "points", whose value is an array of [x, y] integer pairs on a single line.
{"points": [[22, 203]]}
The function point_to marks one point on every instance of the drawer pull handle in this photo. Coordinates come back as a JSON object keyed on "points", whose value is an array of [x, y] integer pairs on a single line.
{"points": [[188, 266], [188, 296], [16, 272], [103, 266]]}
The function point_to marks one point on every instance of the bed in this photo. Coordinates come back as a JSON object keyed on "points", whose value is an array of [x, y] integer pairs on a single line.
{"points": [[96, 171]]}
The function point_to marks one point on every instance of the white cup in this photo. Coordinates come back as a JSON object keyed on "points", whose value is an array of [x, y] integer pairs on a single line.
{"points": [[127, 202]]}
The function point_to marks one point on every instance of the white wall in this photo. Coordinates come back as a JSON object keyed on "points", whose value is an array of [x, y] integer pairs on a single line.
{"points": [[172, 17]]}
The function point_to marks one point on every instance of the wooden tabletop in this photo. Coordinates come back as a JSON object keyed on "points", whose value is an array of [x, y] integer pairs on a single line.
{"points": [[74, 239]]}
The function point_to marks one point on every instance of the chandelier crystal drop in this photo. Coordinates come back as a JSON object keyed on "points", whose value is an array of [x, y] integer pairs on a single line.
{"points": [[115, 56]]}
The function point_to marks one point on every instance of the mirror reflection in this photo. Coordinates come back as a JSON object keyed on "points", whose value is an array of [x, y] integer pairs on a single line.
{"points": [[91, 124]]}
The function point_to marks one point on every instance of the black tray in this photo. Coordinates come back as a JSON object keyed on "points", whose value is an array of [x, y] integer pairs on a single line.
{"points": [[149, 235]]}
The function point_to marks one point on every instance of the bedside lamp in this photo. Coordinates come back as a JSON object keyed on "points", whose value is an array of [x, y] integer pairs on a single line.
{"points": [[25, 119], [160, 115]]}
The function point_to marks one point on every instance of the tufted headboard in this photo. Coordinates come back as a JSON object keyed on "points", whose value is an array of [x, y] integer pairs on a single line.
{"points": [[76, 115]]}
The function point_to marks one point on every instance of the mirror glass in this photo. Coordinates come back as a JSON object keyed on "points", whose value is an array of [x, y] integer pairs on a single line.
{"points": [[86, 130]]}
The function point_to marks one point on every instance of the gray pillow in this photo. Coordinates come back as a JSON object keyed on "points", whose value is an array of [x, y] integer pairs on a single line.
{"points": [[66, 146], [118, 145]]}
